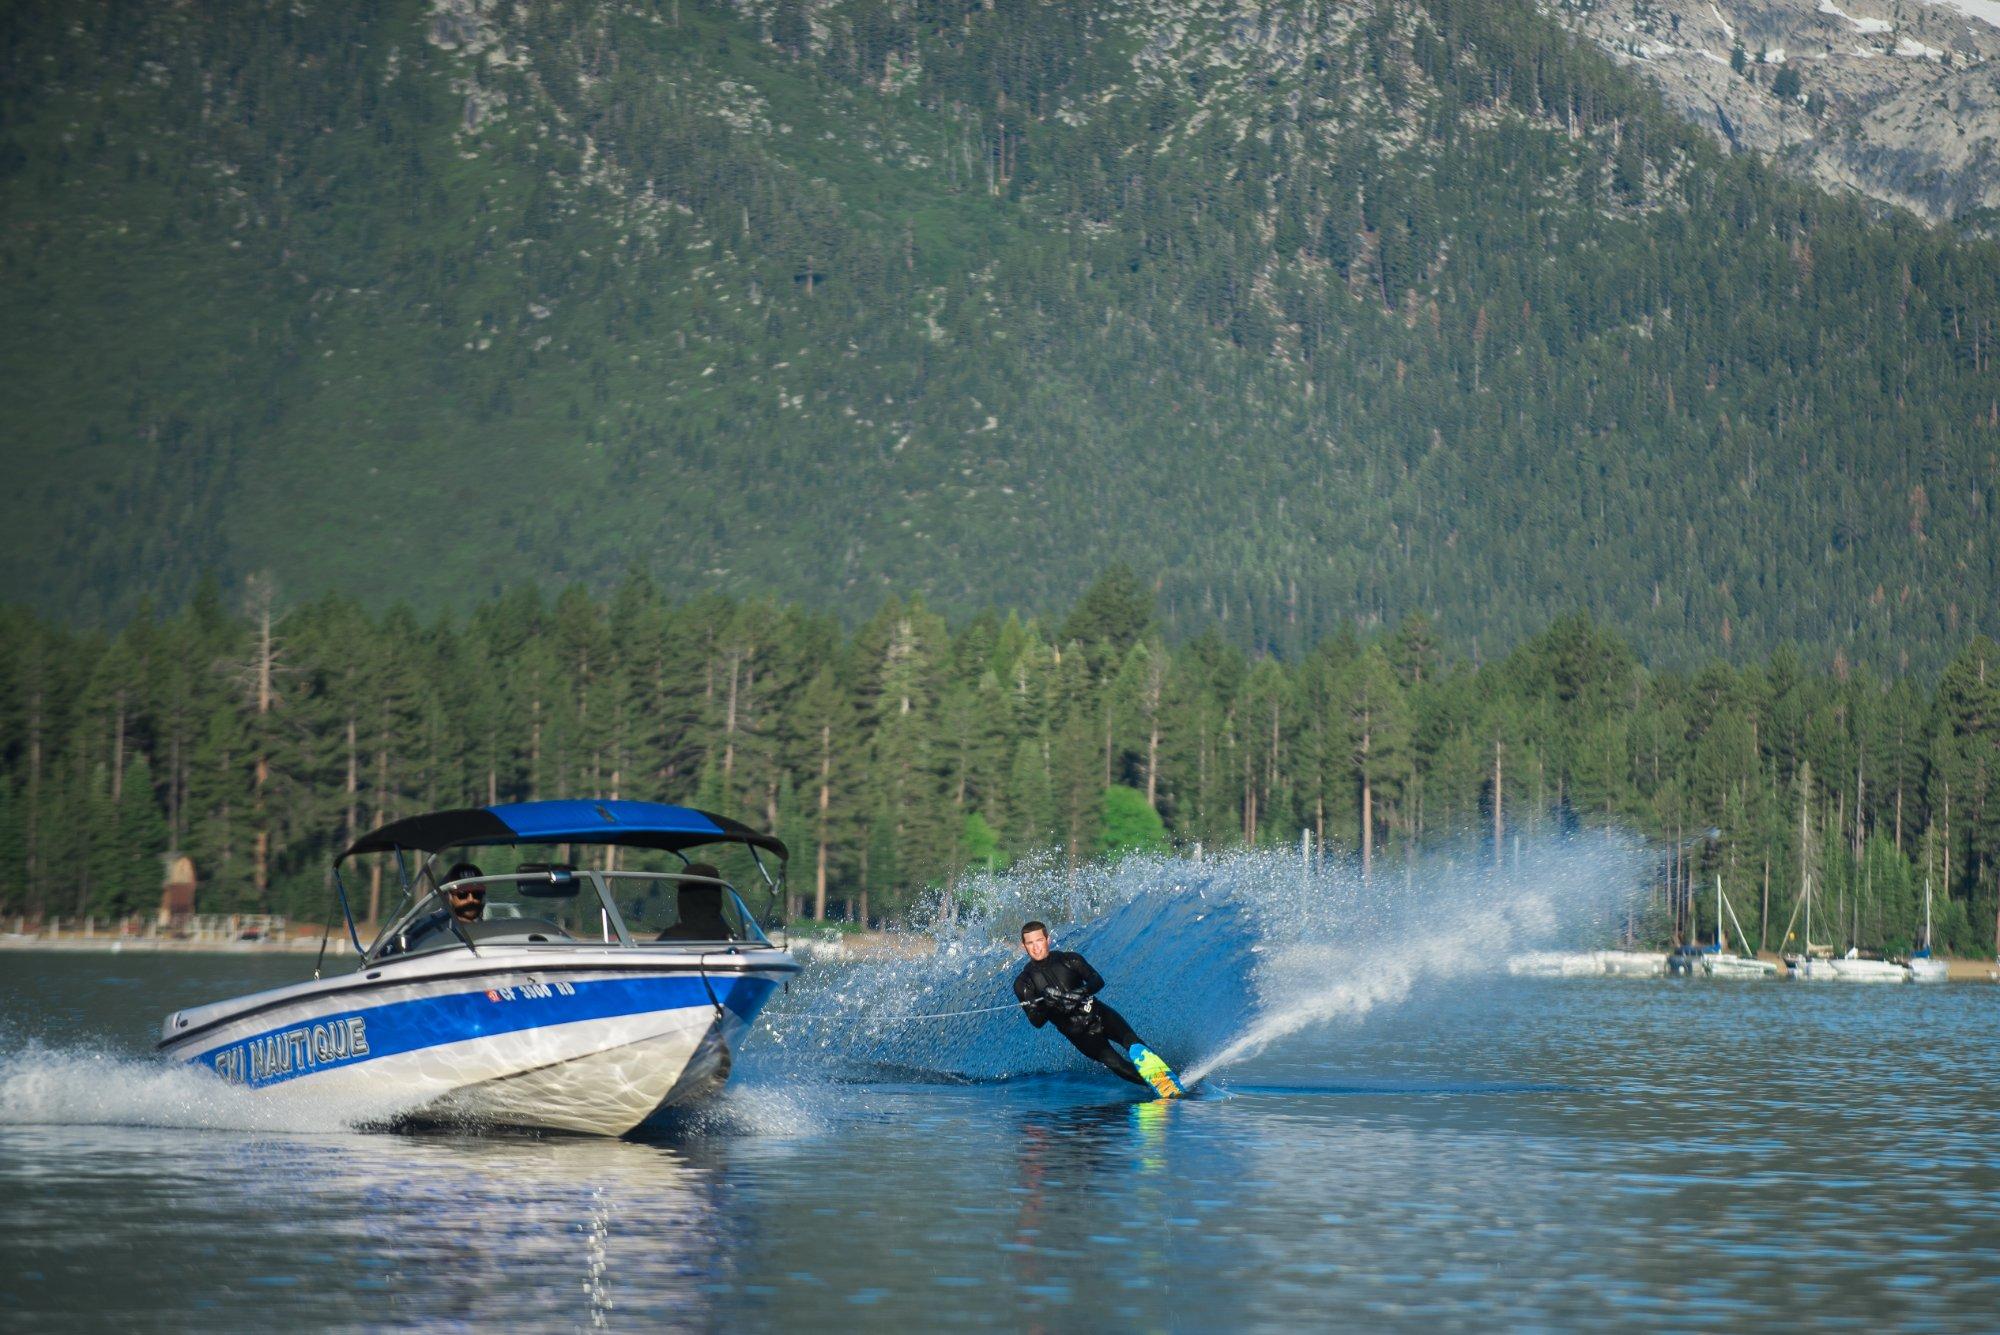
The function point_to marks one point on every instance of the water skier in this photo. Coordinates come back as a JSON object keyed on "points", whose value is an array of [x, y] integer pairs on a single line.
{"points": [[1059, 987]]}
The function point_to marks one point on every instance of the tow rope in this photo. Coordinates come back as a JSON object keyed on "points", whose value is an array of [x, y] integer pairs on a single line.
{"points": [[890, 1019]]}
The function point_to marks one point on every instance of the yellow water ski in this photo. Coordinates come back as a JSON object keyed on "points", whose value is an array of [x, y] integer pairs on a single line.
{"points": [[1156, 1071]]}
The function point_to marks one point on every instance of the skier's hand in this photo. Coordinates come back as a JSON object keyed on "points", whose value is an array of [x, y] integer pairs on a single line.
{"points": [[1071, 1002]]}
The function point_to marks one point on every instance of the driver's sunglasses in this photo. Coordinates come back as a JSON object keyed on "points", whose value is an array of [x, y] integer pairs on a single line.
{"points": [[467, 892]]}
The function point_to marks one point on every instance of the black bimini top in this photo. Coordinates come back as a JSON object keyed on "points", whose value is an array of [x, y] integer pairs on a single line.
{"points": [[630, 824]]}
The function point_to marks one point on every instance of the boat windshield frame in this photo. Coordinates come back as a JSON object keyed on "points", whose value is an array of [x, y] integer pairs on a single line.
{"points": [[619, 934], [610, 823]]}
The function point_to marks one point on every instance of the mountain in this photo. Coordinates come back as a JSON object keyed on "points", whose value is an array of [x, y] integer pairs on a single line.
{"points": [[1893, 100], [1314, 312]]}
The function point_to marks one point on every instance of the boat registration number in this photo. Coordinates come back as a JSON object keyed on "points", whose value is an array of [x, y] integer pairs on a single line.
{"points": [[534, 989]]}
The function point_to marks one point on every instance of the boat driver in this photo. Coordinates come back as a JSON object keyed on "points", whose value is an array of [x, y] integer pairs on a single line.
{"points": [[465, 904], [1059, 987]]}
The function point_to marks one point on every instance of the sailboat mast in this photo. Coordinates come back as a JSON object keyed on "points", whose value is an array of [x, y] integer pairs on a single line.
{"points": [[1718, 913]]}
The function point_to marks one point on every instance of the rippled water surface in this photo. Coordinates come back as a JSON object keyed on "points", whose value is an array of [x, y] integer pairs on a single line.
{"points": [[1461, 1150]]}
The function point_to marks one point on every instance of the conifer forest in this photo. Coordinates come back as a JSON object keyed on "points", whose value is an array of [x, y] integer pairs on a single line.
{"points": [[896, 757]]}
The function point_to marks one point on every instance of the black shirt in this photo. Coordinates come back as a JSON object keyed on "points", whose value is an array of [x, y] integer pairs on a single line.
{"points": [[1067, 972]]}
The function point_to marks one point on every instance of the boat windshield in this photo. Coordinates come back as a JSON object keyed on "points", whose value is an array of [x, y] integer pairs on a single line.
{"points": [[677, 906], [547, 904], [528, 907]]}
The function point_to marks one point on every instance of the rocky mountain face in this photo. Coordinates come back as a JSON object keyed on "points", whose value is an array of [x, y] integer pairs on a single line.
{"points": [[1318, 311], [1896, 99]]}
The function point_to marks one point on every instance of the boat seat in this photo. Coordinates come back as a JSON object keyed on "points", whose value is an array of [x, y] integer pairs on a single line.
{"points": [[700, 916]]}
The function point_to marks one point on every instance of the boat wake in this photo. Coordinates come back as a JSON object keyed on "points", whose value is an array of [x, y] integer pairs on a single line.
{"points": [[1212, 962], [48, 1086]]}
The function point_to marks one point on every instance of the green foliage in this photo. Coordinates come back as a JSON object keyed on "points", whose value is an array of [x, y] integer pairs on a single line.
{"points": [[982, 845], [898, 758], [1130, 825]]}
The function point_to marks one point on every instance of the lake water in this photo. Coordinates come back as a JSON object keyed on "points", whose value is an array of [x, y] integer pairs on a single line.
{"points": [[1410, 1141]]}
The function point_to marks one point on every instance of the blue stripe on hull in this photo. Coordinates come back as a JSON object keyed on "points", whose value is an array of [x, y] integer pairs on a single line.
{"points": [[348, 1037]]}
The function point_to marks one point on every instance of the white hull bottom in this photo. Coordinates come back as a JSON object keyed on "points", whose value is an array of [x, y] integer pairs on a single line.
{"points": [[598, 1077], [1736, 966], [1869, 971], [607, 1092], [1930, 970], [1587, 964]]}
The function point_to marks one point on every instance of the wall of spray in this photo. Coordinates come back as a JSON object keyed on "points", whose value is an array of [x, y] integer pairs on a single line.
{"points": [[1212, 962]]}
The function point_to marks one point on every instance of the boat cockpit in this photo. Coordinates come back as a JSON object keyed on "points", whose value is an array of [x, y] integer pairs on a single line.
{"points": [[548, 903], [640, 888]]}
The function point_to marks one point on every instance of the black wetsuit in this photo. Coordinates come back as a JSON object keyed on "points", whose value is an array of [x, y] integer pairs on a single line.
{"points": [[1062, 990]]}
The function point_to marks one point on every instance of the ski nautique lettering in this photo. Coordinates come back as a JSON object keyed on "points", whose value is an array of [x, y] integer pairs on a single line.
{"points": [[256, 1060]]}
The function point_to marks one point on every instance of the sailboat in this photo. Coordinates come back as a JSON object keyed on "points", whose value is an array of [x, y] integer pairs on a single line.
{"points": [[1851, 968], [1925, 967], [1719, 963], [1811, 967]]}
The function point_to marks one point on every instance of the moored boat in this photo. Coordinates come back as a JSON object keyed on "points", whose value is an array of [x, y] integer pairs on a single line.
{"points": [[1556, 964], [1717, 961], [1852, 968], [1634, 963], [1814, 964], [1925, 967], [1722, 964], [548, 995]]}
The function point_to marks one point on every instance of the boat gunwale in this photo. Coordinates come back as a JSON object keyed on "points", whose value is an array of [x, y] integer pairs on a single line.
{"points": [[623, 959]]}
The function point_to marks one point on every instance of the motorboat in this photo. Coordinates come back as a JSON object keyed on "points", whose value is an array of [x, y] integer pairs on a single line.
{"points": [[1718, 962], [546, 995], [1925, 967]]}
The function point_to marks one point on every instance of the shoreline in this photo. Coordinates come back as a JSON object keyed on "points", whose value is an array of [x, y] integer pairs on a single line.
{"points": [[859, 946], [155, 945]]}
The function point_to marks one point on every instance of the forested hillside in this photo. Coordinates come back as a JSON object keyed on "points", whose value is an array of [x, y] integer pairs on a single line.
{"points": [[896, 758], [1322, 313]]}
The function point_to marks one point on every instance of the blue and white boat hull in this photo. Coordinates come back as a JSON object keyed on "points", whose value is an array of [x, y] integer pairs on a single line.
{"points": [[571, 1039]]}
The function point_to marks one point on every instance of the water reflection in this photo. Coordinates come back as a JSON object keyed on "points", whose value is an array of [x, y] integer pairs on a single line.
{"points": [[375, 1227], [1541, 1154]]}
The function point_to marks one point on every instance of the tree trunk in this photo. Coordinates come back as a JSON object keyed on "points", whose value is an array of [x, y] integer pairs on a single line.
{"points": [[729, 722], [1249, 802], [1367, 808], [260, 866], [353, 781], [381, 819], [1499, 825], [1764, 927], [1153, 764], [32, 832], [825, 801], [535, 749], [118, 748], [1107, 738]]}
